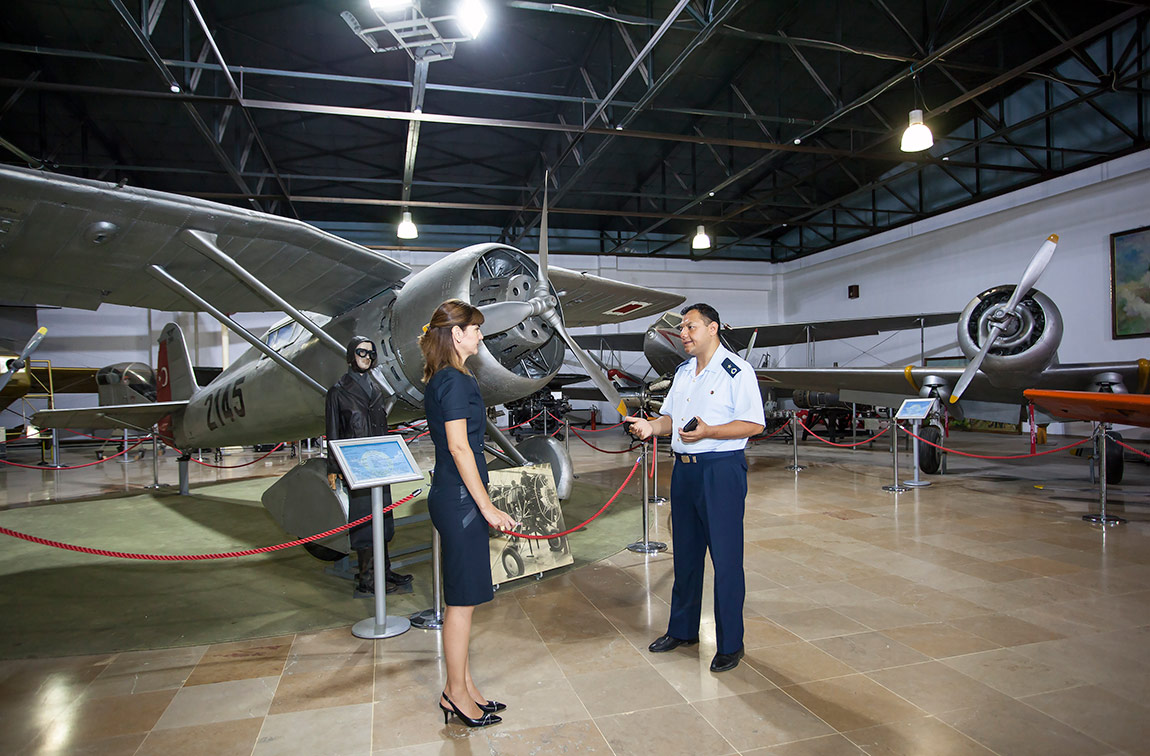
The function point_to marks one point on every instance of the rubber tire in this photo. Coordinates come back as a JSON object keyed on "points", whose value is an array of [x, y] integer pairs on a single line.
{"points": [[1115, 464], [930, 458], [558, 544], [323, 553], [512, 563]]}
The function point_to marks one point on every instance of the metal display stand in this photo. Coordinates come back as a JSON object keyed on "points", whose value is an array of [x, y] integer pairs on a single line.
{"points": [[795, 439], [432, 619], [646, 546], [894, 487], [381, 625], [156, 462], [1100, 452], [915, 482]]}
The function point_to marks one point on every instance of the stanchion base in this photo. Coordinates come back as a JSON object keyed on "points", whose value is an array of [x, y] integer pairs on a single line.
{"points": [[657, 500], [393, 626], [647, 547], [153, 486], [796, 468], [916, 483], [1100, 519], [428, 619], [895, 488]]}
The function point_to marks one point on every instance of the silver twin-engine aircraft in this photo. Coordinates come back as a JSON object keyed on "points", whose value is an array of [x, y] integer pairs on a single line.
{"points": [[80, 243]]}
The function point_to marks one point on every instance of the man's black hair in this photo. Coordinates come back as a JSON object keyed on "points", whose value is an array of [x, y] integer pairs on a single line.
{"points": [[355, 342], [708, 312]]}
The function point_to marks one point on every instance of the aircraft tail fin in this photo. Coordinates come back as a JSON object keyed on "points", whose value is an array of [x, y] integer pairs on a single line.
{"points": [[175, 380]]}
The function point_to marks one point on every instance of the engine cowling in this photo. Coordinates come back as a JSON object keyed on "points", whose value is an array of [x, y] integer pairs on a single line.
{"points": [[1026, 347], [509, 365]]}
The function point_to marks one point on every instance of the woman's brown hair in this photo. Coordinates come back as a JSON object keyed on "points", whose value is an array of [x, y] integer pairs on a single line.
{"points": [[436, 343]]}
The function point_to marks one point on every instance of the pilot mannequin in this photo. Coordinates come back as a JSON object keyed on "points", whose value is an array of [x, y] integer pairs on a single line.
{"points": [[356, 408]]}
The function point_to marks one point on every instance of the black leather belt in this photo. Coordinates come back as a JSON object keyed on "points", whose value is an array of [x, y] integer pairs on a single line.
{"points": [[694, 459]]}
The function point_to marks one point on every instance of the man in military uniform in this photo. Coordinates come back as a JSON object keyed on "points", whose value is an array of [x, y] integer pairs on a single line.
{"points": [[717, 391], [356, 408]]}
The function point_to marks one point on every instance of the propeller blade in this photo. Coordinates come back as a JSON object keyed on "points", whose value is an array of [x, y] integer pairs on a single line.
{"points": [[543, 287], [19, 362], [972, 368], [503, 316], [593, 370], [1033, 272]]}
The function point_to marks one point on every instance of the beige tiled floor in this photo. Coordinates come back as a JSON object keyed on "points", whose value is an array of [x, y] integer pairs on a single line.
{"points": [[979, 616]]}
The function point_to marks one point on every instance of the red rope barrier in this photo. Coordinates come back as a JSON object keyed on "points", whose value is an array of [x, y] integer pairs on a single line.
{"points": [[513, 427], [77, 467], [605, 451], [594, 430], [1128, 446], [842, 446], [772, 434], [984, 456], [201, 557], [589, 519]]}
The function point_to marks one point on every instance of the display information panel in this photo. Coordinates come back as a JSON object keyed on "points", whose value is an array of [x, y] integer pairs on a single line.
{"points": [[374, 461]]}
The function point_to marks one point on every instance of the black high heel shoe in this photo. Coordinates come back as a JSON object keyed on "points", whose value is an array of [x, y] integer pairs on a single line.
{"points": [[487, 719], [491, 706]]}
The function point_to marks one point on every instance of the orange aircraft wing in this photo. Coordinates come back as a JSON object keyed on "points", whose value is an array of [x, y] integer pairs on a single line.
{"points": [[1127, 409]]}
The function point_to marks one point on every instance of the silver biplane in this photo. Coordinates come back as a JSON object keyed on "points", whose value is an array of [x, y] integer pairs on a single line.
{"points": [[81, 243]]}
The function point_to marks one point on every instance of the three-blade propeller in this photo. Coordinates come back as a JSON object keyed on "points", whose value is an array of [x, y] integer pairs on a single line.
{"points": [[503, 316], [1002, 316], [19, 363]]}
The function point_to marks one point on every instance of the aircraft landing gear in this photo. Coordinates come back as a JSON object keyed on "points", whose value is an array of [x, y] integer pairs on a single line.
{"points": [[929, 457]]}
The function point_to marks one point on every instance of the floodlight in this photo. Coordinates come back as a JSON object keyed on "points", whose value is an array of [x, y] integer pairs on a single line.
{"points": [[472, 15], [407, 229], [701, 240], [917, 136]]}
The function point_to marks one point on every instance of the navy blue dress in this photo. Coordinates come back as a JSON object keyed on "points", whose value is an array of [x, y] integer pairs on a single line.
{"points": [[453, 395]]}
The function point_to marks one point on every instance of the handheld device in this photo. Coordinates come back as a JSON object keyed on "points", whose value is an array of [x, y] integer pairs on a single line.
{"points": [[691, 424]]}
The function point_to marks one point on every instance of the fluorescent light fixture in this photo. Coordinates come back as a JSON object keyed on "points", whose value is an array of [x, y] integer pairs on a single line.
{"points": [[701, 240], [472, 15], [407, 229], [917, 136], [391, 5]]}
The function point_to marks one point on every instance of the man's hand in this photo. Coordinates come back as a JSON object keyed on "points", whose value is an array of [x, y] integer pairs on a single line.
{"points": [[331, 477], [701, 431], [639, 427]]}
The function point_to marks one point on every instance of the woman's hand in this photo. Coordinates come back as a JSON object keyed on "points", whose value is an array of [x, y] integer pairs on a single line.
{"points": [[499, 519], [331, 478]]}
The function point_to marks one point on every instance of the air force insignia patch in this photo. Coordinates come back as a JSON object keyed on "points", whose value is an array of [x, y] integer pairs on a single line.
{"points": [[731, 368]]}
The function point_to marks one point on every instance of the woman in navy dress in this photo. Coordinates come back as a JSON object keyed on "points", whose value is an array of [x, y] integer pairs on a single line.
{"points": [[460, 507]]}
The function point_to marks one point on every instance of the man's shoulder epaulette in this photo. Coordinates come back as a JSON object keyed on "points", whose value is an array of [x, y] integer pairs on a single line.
{"points": [[731, 368]]}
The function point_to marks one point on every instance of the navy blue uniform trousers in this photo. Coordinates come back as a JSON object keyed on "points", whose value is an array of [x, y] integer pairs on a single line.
{"points": [[708, 498]]}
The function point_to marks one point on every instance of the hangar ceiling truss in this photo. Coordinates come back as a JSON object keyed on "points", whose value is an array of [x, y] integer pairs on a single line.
{"points": [[774, 124]]}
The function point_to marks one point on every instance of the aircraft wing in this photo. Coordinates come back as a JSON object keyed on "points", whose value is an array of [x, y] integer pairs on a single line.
{"points": [[131, 416], [907, 381], [590, 300], [80, 243], [1126, 409], [780, 334]]}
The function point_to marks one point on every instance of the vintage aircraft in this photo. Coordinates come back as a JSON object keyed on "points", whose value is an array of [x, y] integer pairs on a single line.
{"points": [[80, 243], [1010, 334]]}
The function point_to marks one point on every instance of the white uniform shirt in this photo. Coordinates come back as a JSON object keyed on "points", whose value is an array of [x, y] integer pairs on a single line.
{"points": [[725, 390]]}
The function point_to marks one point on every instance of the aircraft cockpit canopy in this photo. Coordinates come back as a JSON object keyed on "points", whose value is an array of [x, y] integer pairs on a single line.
{"points": [[123, 377]]}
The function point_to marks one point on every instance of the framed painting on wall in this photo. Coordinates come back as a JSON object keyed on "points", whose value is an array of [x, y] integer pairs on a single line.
{"points": [[1130, 283]]}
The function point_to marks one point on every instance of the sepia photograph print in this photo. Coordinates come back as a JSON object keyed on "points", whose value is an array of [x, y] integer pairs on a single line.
{"points": [[527, 494]]}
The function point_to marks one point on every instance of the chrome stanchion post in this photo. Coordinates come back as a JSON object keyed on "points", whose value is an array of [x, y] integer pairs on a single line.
{"points": [[55, 447], [567, 436], [895, 487], [655, 497], [646, 546], [381, 625], [156, 461], [854, 426], [1100, 451], [915, 482], [795, 438], [432, 619], [183, 460]]}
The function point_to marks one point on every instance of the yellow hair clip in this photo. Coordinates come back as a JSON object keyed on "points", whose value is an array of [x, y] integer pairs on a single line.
{"points": [[426, 326]]}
